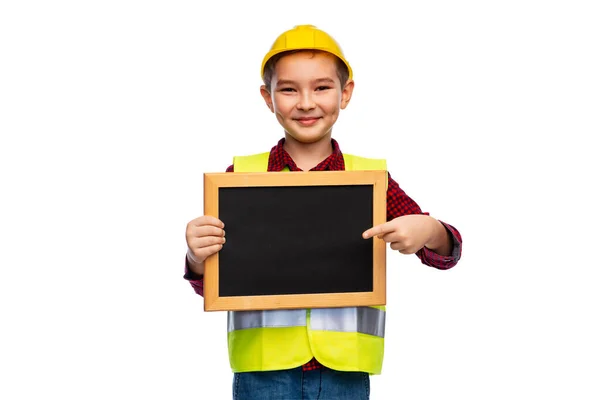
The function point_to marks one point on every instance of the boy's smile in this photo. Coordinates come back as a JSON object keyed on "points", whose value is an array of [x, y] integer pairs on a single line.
{"points": [[307, 121], [306, 95]]}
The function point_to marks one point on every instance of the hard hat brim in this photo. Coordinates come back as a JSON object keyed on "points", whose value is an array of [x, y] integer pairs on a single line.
{"points": [[273, 53]]}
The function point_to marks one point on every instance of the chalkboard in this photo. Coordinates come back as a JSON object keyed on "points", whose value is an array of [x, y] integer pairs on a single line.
{"points": [[294, 240]]}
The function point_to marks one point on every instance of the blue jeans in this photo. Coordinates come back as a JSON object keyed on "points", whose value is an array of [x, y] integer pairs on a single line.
{"points": [[295, 384]]}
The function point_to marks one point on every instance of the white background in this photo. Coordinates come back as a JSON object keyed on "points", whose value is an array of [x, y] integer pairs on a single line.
{"points": [[111, 111]]}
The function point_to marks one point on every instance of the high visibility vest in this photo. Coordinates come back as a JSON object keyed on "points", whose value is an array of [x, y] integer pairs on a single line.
{"points": [[343, 339]]}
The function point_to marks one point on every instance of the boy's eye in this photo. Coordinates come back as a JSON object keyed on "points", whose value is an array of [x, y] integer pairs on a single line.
{"points": [[286, 89], [323, 87]]}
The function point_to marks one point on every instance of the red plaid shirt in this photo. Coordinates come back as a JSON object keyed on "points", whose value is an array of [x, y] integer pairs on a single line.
{"points": [[398, 204]]}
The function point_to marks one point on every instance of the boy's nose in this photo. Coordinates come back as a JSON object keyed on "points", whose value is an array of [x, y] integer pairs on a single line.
{"points": [[305, 102]]}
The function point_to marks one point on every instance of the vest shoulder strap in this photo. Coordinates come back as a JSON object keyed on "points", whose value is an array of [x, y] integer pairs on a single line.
{"points": [[253, 163], [356, 163]]}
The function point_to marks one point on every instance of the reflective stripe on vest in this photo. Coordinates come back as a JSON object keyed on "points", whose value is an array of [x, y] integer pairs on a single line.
{"points": [[367, 320], [265, 319]]}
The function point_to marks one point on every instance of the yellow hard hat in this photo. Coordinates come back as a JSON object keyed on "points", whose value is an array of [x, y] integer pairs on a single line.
{"points": [[305, 37]]}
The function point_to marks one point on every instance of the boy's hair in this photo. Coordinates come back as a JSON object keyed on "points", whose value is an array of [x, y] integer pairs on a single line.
{"points": [[342, 70]]}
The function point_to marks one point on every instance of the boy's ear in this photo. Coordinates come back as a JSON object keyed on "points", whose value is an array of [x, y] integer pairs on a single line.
{"points": [[267, 97], [347, 93]]}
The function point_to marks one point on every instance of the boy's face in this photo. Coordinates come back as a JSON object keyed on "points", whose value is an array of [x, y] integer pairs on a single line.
{"points": [[306, 95]]}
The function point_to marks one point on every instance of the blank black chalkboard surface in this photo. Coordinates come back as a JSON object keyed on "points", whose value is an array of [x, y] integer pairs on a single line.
{"points": [[294, 240]]}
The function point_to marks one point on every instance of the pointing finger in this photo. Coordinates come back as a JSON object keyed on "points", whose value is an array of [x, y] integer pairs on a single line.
{"points": [[378, 230]]}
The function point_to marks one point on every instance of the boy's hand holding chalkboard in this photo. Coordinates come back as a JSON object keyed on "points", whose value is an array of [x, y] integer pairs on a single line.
{"points": [[205, 236]]}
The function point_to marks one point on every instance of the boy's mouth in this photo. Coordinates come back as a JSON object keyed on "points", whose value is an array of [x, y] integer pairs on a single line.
{"points": [[307, 121]]}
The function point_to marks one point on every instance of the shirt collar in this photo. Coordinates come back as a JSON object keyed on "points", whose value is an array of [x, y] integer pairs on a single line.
{"points": [[279, 159]]}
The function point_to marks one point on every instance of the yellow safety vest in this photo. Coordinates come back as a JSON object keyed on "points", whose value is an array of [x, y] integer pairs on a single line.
{"points": [[344, 339]]}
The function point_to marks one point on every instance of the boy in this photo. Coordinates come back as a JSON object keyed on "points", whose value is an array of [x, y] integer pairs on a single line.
{"points": [[324, 353]]}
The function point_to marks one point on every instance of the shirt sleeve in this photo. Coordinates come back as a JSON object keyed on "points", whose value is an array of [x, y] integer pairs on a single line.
{"points": [[197, 281], [399, 204]]}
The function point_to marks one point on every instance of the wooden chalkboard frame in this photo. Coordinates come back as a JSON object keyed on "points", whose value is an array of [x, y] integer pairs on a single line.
{"points": [[214, 181]]}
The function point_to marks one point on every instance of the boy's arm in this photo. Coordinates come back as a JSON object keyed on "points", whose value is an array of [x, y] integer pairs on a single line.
{"points": [[444, 251], [197, 281], [446, 257]]}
